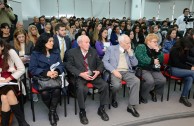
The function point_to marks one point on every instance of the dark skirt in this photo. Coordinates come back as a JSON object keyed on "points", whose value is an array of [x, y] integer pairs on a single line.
{"points": [[5, 89]]}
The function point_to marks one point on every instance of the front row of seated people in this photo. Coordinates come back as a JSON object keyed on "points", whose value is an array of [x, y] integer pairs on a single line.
{"points": [[84, 63]]}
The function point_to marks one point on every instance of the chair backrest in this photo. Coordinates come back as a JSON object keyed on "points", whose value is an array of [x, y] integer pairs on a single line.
{"points": [[166, 58]]}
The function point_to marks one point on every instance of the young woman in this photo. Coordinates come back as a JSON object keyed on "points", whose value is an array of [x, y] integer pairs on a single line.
{"points": [[180, 68], [102, 43], [22, 45], [33, 34], [97, 29], [134, 43], [42, 58], [5, 33], [11, 69], [169, 41]]}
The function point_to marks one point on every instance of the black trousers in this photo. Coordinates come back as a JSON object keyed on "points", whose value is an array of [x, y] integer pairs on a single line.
{"points": [[82, 91]]}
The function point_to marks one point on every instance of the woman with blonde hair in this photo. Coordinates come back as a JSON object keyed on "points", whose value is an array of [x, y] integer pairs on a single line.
{"points": [[149, 58], [33, 33], [97, 29], [22, 45]]}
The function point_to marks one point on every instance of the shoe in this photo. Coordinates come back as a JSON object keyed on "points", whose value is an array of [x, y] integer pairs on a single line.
{"points": [[153, 95], [83, 118], [185, 101], [56, 116], [35, 97], [114, 104], [102, 114], [142, 100], [133, 111]]}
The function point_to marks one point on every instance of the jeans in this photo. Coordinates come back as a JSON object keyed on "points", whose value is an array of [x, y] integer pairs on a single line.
{"points": [[187, 75]]}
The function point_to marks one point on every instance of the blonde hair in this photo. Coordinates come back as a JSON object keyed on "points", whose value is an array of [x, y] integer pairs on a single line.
{"points": [[96, 32], [31, 38], [151, 36], [16, 42]]}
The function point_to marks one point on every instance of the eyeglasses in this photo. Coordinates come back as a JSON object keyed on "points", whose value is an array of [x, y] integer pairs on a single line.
{"points": [[187, 11]]}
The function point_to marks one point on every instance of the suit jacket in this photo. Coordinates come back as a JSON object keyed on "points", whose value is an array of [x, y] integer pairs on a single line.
{"points": [[111, 59], [40, 30], [74, 62], [67, 42]]}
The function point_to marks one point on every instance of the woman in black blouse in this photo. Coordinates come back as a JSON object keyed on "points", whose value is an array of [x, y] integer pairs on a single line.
{"points": [[180, 67]]}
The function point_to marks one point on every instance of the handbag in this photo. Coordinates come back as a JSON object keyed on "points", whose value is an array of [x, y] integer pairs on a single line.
{"points": [[47, 83]]}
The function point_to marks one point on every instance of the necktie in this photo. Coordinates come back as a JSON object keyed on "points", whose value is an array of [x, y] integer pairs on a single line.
{"points": [[62, 49]]}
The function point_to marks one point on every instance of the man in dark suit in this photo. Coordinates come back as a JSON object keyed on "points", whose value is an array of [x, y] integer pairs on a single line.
{"points": [[61, 40], [40, 26], [84, 63]]}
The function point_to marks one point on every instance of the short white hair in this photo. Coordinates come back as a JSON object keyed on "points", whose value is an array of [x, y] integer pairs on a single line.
{"points": [[122, 37], [80, 38]]}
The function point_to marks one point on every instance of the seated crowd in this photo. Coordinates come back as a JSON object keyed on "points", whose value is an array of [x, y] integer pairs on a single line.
{"points": [[84, 49]]}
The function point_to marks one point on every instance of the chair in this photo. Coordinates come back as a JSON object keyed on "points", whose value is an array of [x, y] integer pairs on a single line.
{"points": [[168, 73], [34, 91]]}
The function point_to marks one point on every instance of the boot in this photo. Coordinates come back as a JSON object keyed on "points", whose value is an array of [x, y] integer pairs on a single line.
{"points": [[19, 115], [52, 118], [56, 116], [5, 116]]}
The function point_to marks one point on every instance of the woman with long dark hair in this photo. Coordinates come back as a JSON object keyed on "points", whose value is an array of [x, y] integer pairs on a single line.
{"points": [[102, 43], [41, 59], [11, 69], [180, 67]]}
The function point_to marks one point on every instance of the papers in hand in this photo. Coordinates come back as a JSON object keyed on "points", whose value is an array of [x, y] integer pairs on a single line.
{"points": [[54, 66], [9, 83]]}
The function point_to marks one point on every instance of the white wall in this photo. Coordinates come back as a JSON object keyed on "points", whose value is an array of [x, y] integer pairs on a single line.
{"points": [[86, 8], [151, 8]]}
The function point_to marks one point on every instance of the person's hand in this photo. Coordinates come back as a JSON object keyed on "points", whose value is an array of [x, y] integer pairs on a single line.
{"points": [[117, 74], [86, 76], [52, 74], [156, 61], [24, 60], [7, 80], [192, 68], [96, 73], [157, 48]]}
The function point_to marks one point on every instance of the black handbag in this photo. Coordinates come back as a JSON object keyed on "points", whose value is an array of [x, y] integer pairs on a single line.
{"points": [[47, 83]]}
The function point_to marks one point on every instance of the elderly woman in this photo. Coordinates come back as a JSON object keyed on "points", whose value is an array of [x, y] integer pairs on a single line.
{"points": [[149, 59], [11, 69], [42, 58]]}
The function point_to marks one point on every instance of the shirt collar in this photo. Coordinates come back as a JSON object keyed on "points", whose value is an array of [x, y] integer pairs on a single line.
{"points": [[60, 38], [121, 49]]}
